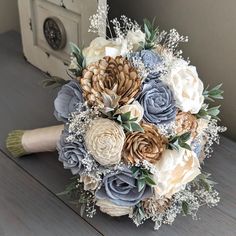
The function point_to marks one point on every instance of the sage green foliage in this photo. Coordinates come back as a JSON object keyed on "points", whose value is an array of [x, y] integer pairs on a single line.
{"points": [[139, 213], [54, 82], [77, 195], [77, 53], [204, 181], [179, 141], [211, 95], [143, 176], [128, 123], [151, 34], [213, 112], [214, 93]]}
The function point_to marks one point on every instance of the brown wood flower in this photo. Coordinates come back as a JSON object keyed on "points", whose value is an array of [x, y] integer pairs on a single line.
{"points": [[110, 74], [186, 122], [147, 145]]}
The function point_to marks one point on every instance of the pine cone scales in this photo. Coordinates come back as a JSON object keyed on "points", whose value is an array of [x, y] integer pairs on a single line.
{"points": [[110, 74]]}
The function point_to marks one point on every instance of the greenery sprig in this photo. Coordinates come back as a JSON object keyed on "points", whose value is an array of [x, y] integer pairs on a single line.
{"points": [[214, 93], [54, 82], [128, 123], [179, 141], [151, 34], [213, 112], [79, 62], [143, 176], [77, 195]]}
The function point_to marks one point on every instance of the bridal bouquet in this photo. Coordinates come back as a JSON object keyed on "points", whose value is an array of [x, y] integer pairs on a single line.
{"points": [[137, 125]]}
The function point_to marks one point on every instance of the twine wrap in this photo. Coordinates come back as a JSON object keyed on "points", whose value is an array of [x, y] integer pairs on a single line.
{"points": [[23, 142]]}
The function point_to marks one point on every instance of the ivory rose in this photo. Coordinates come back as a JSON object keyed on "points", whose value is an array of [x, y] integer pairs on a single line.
{"points": [[186, 86], [135, 38], [111, 209], [101, 47], [135, 109], [174, 170], [90, 183], [104, 140]]}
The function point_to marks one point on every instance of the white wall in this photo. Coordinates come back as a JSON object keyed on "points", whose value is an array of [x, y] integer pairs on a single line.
{"points": [[9, 18], [211, 27]]}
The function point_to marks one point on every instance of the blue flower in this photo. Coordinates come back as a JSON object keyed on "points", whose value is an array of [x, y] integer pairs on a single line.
{"points": [[158, 102], [151, 60], [121, 188], [67, 100], [71, 154]]}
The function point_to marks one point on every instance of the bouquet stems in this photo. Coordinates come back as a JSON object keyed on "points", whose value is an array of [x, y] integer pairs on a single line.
{"points": [[23, 142]]}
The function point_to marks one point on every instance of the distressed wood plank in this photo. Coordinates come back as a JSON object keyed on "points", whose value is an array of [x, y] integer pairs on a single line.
{"points": [[27, 208]]}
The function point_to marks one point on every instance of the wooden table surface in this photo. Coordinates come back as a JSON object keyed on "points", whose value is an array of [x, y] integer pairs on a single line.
{"points": [[29, 204]]}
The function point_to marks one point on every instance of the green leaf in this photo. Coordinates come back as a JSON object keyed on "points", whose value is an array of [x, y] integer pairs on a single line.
{"points": [[141, 184], [54, 82], [185, 145], [126, 116], [185, 137], [127, 127], [149, 181], [185, 207], [136, 127]]}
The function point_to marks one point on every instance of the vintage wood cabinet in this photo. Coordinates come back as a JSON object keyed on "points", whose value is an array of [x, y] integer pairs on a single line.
{"points": [[47, 27]]}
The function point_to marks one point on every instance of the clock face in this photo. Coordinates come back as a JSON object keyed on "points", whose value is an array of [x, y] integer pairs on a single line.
{"points": [[54, 33]]}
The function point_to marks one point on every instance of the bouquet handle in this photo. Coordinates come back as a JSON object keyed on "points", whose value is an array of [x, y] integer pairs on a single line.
{"points": [[23, 142]]}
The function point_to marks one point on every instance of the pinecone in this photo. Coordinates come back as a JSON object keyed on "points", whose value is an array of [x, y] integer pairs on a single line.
{"points": [[152, 206], [110, 75]]}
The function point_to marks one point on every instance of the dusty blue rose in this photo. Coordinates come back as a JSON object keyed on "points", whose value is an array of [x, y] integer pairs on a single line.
{"points": [[197, 147], [152, 61], [121, 188], [71, 154], [67, 100], [158, 102]]}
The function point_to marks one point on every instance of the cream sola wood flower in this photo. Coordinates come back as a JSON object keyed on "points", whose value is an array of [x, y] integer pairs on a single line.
{"points": [[183, 80], [174, 170], [104, 139]]}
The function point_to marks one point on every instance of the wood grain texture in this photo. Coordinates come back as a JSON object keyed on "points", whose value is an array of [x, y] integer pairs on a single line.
{"points": [[27, 208], [29, 106]]}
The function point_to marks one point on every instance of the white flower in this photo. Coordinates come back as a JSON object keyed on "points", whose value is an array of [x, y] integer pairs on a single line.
{"points": [[135, 38], [112, 209], [104, 140], [101, 47], [90, 183], [174, 170], [186, 86], [202, 125], [135, 109]]}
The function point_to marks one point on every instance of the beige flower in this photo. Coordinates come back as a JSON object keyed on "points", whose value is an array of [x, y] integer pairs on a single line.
{"points": [[135, 109], [104, 140], [101, 47], [112, 209], [144, 146], [186, 86], [202, 125], [186, 122], [174, 170], [90, 183], [135, 39]]}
